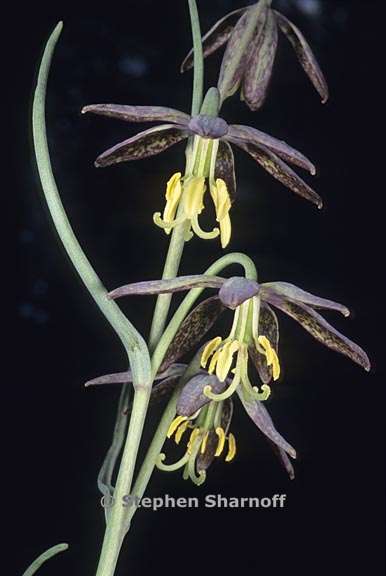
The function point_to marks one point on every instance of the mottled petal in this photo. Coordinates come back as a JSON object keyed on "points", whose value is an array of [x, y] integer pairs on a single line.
{"points": [[126, 377], [259, 68], [193, 329], [268, 327], [278, 147], [240, 47], [178, 284], [192, 396], [138, 113], [217, 36], [237, 290], [286, 291], [281, 171], [205, 460], [305, 55], [225, 168], [143, 145], [259, 414], [322, 331]]}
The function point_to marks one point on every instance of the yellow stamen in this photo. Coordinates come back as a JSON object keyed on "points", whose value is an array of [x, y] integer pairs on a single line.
{"points": [[221, 441], [225, 359], [173, 195], [194, 190], [209, 349], [231, 448], [213, 362], [271, 356], [221, 199], [225, 231], [181, 431], [204, 442], [192, 439], [175, 424]]}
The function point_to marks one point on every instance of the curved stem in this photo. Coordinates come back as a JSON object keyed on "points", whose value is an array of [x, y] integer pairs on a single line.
{"points": [[198, 78]]}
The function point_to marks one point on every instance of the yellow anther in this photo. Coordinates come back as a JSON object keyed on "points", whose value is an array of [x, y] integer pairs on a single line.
{"points": [[192, 439], [213, 362], [204, 442], [221, 441], [175, 424], [193, 197], [225, 231], [181, 431], [271, 356], [231, 448], [209, 349], [225, 359], [173, 195], [275, 365], [221, 199]]}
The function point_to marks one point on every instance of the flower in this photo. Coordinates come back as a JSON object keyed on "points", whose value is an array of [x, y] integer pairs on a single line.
{"points": [[211, 162], [255, 324], [251, 38], [205, 425]]}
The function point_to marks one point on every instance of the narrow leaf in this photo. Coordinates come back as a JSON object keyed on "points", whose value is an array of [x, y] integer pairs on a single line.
{"points": [[50, 553]]}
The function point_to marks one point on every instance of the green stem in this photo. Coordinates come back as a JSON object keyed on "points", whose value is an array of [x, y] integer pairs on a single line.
{"points": [[177, 241], [132, 341]]}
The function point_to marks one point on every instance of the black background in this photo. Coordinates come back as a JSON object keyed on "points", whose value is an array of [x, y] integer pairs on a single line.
{"points": [[328, 408]]}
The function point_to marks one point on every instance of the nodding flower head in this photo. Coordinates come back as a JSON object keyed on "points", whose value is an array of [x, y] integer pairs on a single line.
{"points": [[205, 434]]}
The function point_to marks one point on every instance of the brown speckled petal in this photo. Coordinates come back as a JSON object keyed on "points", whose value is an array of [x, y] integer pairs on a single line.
{"points": [[260, 65], [217, 36], [193, 329], [305, 55], [259, 414], [143, 145], [281, 171], [279, 147], [225, 167], [269, 327], [138, 113], [322, 331], [239, 48]]}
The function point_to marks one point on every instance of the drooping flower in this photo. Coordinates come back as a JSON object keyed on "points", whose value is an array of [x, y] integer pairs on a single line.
{"points": [[255, 331], [251, 38], [211, 164]]}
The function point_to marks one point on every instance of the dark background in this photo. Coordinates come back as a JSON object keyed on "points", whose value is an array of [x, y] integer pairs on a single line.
{"points": [[328, 408]]}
